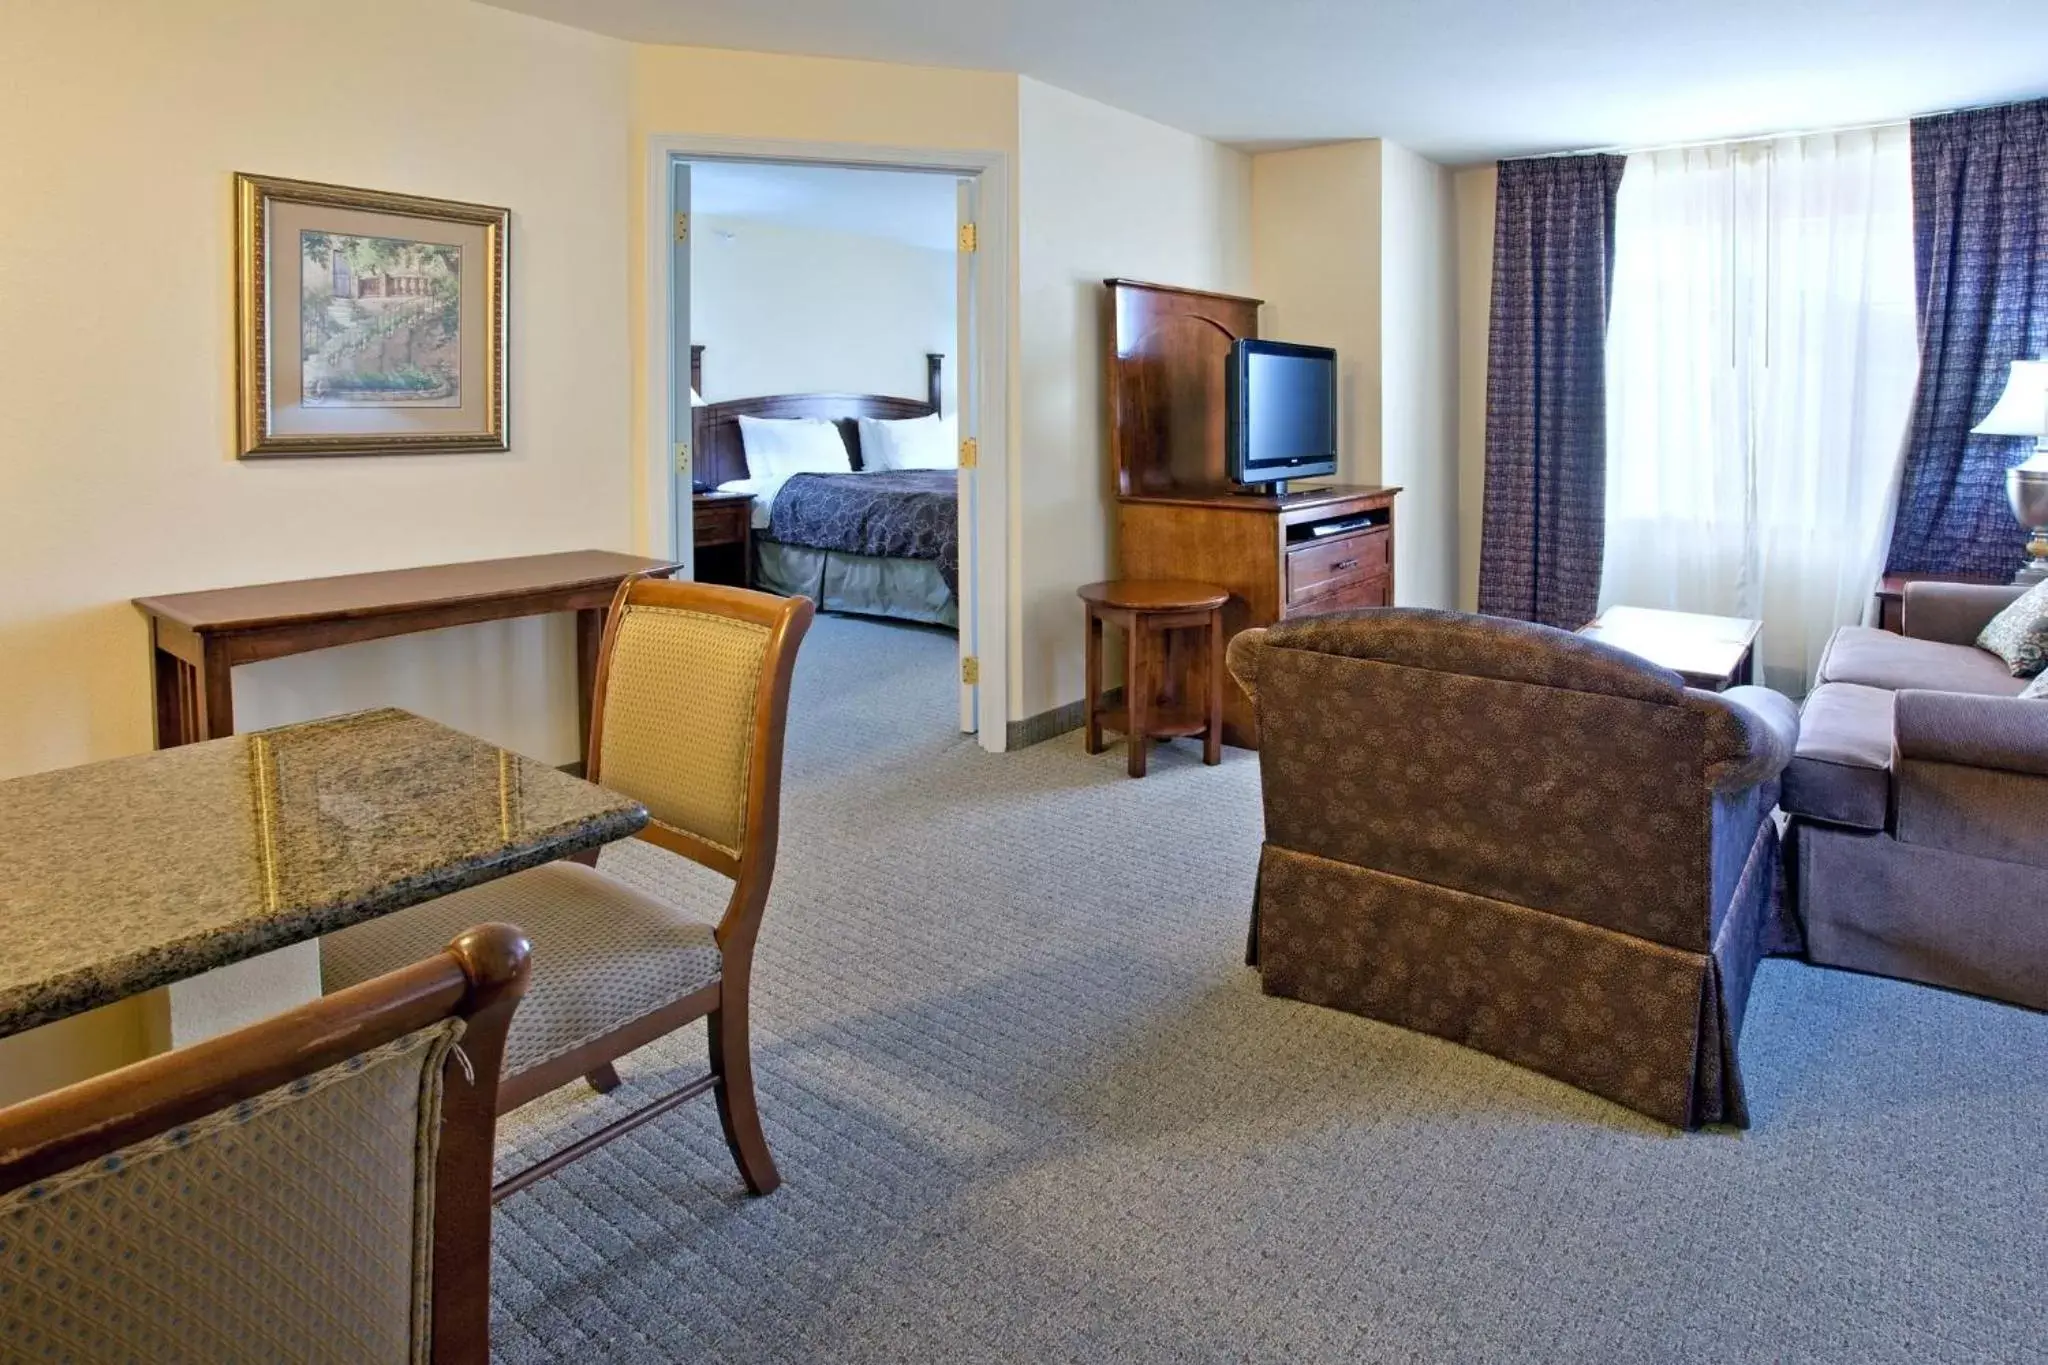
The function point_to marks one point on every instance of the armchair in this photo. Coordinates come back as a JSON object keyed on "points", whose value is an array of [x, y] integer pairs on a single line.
{"points": [[313, 1188], [1521, 840]]}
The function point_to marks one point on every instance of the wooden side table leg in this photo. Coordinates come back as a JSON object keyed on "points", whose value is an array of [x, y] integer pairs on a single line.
{"points": [[1137, 694], [1212, 738], [1091, 734], [589, 641]]}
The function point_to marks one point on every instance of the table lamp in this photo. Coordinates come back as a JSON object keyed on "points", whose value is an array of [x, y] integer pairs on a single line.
{"points": [[2022, 410]]}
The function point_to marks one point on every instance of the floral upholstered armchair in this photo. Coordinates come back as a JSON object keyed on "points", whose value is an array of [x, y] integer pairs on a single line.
{"points": [[1521, 840]]}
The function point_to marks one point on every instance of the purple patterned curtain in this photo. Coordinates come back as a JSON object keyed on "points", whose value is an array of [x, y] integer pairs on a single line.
{"points": [[1980, 262], [1546, 389]]}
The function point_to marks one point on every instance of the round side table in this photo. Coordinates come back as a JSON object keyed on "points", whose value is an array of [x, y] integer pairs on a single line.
{"points": [[1173, 675]]}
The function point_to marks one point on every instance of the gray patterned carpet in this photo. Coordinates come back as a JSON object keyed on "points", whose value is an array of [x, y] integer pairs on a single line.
{"points": [[1029, 1106]]}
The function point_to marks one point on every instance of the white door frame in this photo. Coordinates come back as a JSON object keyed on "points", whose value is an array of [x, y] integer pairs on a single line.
{"points": [[983, 389]]}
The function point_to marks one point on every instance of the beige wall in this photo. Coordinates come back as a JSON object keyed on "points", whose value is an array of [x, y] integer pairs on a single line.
{"points": [[1101, 193], [1419, 372], [1352, 247], [1475, 190], [782, 308], [1316, 263], [116, 348], [117, 473]]}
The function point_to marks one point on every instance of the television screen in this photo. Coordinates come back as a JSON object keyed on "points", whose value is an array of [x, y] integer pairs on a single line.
{"points": [[1283, 411]]}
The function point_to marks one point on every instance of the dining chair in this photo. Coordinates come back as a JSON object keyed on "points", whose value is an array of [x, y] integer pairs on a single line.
{"points": [[315, 1187], [691, 701]]}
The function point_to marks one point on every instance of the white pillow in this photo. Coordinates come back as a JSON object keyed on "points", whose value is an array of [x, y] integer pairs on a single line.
{"points": [[776, 449], [914, 443]]}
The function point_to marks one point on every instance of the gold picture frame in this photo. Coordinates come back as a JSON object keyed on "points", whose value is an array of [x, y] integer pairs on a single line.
{"points": [[378, 330]]}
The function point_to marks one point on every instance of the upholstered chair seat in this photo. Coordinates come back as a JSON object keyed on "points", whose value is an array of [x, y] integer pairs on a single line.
{"points": [[612, 954]]}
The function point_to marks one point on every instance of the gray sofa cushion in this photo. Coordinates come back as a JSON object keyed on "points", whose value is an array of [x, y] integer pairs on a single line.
{"points": [[1841, 771], [1878, 658]]}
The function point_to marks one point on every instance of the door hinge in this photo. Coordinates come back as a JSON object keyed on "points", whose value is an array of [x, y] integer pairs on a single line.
{"points": [[970, 671], [683, 459], [970, 240], [682, 227], [970, 454]]}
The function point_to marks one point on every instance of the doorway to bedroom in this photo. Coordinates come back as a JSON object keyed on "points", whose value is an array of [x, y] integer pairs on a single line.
{"points": [[823, 340]]}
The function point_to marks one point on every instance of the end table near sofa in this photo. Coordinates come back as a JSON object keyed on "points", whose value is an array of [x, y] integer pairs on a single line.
{"points": [[1891, 594], [1713, 652]]}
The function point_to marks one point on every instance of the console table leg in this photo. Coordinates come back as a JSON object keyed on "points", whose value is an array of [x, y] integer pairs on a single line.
{"points": [[215, 692], [589, 641], [176, 702]]}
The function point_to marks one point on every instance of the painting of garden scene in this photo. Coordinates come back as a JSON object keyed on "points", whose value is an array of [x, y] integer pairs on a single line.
{"points": [[380, 321]]}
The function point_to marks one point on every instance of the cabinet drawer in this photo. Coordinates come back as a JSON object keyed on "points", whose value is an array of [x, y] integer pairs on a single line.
{"points": [[1334, 566], [1343, 596], [721, 523]]}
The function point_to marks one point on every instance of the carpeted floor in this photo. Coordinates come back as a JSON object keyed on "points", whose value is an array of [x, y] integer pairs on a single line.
{"points": [[1029, 1106]]}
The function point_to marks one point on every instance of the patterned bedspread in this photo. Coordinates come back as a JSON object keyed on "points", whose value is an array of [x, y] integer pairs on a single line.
{"points": [[899, 513]]}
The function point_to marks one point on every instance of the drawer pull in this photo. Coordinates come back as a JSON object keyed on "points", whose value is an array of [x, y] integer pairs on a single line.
{"points": [[1344, 564]]}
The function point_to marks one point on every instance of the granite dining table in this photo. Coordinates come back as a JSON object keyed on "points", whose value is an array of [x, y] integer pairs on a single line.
{"points": [[191, 866]]}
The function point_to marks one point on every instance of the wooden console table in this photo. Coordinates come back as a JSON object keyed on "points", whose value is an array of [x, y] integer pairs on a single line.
{"points": [[196, 638]]}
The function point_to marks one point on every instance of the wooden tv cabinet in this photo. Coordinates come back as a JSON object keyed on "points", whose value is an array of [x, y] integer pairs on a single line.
{"points": [[1266, 552], [1178, 515]]}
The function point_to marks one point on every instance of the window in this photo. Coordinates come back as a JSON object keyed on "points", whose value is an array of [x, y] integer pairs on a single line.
{"points": [[1761, 355]]}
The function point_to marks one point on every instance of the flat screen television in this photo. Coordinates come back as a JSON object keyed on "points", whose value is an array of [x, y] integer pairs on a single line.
{"points": [[1280, 405]]}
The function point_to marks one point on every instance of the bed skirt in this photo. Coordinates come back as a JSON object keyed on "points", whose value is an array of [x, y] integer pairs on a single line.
{"points": [[863, 585]]}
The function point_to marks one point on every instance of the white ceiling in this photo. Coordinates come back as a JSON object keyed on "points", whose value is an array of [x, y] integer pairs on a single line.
{"points": [[898, 206], [1457, 80]]}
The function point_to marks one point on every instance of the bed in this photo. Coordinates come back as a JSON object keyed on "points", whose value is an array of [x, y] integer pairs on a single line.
{"points": [[872, 543]]}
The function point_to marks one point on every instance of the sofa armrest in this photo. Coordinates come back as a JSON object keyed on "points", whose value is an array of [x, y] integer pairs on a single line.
{"points": [[1753, 733], [1953, 613], [2006, 733]]}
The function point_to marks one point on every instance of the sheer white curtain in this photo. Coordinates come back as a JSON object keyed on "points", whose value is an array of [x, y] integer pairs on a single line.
{"points": [[1761, 353]]}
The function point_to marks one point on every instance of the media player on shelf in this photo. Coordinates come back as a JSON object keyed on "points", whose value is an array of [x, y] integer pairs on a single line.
{"points": [[1280, 414]]}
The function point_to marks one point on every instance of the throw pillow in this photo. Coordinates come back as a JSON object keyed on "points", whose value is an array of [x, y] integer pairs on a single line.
{"points": [[2019, 634], [2038, 688]]}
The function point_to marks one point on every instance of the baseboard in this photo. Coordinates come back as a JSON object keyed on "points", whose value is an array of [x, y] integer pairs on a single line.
{"points": [[1052, 724]]}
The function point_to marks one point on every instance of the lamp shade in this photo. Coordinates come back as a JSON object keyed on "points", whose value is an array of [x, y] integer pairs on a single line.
{"points": [[2022, 410]]}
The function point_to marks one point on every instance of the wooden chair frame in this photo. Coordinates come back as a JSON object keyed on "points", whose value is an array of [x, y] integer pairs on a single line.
{"points": [[724, 1003], [479, 978]]}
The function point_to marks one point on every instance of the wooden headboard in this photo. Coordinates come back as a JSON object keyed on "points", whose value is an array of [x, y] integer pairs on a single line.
{"points": [[721, 456]]}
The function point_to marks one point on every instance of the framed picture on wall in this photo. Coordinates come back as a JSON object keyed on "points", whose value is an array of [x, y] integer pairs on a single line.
{"points": [[367, 323]]}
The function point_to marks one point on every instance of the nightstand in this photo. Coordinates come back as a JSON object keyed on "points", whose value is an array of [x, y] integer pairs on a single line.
{"points": [[724, 538]]}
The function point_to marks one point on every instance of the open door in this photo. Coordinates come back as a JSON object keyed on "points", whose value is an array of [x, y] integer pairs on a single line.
{"points": [[966, 408], [681, 476]]}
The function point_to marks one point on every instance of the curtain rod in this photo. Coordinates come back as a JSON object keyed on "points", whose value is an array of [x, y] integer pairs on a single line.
{"points": [[1721, 141]]}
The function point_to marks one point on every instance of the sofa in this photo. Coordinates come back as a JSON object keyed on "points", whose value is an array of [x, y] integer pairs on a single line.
{"points": [[1522, 840], [1918, 797]]}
